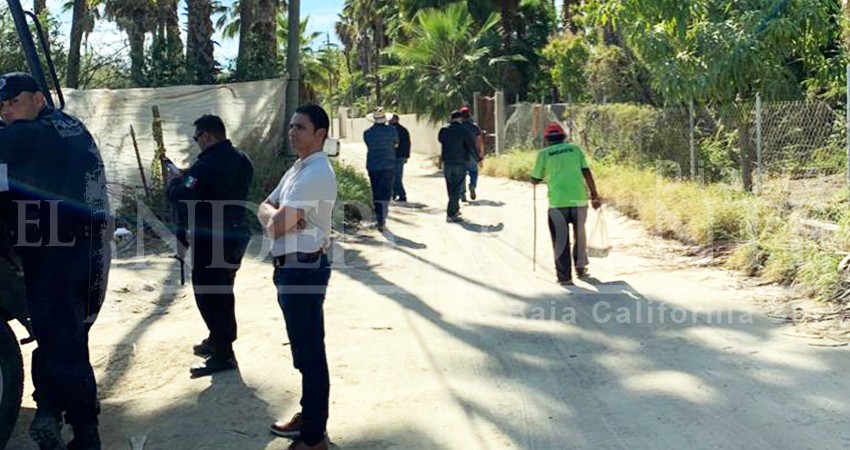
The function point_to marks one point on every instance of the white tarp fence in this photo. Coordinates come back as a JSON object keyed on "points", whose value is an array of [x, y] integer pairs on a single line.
{"points": [[252, 113]]}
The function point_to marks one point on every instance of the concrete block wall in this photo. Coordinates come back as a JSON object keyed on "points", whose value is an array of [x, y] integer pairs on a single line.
{"points": [[423, 133]]}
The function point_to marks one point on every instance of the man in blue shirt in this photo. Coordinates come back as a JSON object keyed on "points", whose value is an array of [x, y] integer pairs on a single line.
{"points": [[381, 141]]}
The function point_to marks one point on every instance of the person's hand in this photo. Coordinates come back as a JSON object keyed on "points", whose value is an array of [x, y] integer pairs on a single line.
{"points": [[595, 202], [301, 225]]}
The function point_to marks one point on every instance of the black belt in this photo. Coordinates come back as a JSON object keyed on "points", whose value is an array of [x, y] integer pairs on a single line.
{"points": [[297, 257]]}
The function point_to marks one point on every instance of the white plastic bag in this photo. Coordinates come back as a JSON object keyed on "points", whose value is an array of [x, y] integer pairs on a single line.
{"points": [[598, 243]]}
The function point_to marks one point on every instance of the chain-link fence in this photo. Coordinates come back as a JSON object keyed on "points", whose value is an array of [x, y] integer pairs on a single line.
{"points": [[747, 144]]}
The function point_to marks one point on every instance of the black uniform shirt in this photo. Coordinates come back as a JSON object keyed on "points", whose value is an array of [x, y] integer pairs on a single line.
{"points": [[458, 145], [51, 169], [403, 149], [218, 183]]}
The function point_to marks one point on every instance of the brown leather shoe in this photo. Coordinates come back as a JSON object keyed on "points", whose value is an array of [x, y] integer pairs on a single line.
{"points": [[301, 445], [291, 429]]}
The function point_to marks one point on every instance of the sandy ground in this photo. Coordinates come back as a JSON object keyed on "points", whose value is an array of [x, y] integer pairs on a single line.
{"points": [[441, 336]]}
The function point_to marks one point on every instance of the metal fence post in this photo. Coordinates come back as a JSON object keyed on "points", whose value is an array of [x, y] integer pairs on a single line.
{"points": [[603, 123], [475, 98], [691, 141], [759, 162], [500, 121], [847, 137]]}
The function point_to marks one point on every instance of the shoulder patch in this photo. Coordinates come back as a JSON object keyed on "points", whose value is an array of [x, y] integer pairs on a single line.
{"points": [[190, 182]]}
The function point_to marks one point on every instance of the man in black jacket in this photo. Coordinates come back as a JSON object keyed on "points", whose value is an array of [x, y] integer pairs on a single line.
{"points": [[211, 198], [458, 147], [53, 188], [402, 154]]}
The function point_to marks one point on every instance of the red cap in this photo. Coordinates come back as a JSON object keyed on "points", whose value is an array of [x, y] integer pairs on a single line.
{"points": [[554, 129], [464, 109]]}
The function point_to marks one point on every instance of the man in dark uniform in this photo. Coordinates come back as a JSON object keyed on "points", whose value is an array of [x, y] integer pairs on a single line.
{"points": [[54, 189], [211, 198], [472, 164], [458, 148], [402, 154]]}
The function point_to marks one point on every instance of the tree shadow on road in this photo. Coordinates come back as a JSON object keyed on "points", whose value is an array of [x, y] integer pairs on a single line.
{"points": [[605, 366], [479, 228], [227, 415], [487, 203]]}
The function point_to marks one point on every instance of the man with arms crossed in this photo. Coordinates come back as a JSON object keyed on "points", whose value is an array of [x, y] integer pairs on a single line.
{"points": [[297, 215]]}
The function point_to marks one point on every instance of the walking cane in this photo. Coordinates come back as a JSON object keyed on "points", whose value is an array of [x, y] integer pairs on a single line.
{"points": [[534, 251]]}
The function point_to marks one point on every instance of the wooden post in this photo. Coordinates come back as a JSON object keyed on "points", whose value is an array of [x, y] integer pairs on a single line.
{"points": [[160, 145], [139, 161]]}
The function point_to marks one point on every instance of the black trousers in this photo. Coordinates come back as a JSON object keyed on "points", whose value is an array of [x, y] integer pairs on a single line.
{"points": [[382, 190], [560, 221], [455, 175], [214, 265], [301, 293], [65, 290]]}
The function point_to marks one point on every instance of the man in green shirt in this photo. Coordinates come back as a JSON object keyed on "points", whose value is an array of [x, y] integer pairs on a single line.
{"points": [[565, 170]]}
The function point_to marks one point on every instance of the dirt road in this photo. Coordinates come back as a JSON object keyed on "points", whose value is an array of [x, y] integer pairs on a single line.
{"points": [[440, 336]]}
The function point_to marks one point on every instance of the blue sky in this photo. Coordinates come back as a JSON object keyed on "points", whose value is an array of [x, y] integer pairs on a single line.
{"points": [[323, 15]]}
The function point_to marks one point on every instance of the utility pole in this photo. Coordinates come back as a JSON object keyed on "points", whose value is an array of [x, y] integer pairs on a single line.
{"points": [[293, 75], [330, 83]]}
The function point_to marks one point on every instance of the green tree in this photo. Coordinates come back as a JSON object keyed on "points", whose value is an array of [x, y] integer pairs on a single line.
{"points": [[718, 50], [715, 51], [443, 63], [566, 55]]}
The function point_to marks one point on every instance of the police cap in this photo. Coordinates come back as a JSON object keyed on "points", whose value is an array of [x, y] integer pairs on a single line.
{"points": [[12, 84]]}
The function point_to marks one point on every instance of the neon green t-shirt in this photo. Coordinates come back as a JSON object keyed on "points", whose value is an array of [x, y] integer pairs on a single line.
{"points": [[560, 165]]}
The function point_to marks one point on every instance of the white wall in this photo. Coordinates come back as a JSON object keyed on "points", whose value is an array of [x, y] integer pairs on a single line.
{"points": [[423, 134]]}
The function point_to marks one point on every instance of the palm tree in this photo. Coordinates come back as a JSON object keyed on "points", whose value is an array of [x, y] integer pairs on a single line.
{"points": [[441, 65], [78, 28], [201, 67], [262, 56], [346, 31], [136, 18], [239, 16], [313, 75], [368, 24], [166, 64]]}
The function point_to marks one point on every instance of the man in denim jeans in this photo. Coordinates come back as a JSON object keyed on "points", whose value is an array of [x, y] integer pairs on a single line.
{"points": [[474, 161], [457, 147], [297, 216]]}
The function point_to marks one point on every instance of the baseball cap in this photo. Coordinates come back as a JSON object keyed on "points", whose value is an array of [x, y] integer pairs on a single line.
{"points": [[456, 114], [464, 110], [554, 129], [12, 84]]}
